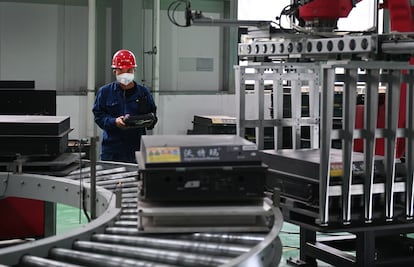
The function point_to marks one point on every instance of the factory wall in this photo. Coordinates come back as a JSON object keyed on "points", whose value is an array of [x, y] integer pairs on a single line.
{"points": [[46, 41]]}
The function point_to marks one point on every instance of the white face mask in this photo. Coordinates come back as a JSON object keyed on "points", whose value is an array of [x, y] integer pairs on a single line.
{"points": [[125, 78]]}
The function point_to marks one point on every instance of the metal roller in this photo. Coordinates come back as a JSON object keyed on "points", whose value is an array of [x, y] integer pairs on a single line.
{"points": [[34, 261], [174, 244], [116, 176], [129, 195], [93, 259], [248, 239], [129, 200], [128, 217], [124, 183], [178, 258], [121, 231], [129, 190], [129, 205], [129, 211], [98, 173], [119, 175], [219, 238], [112, 178], [84, 170], [117, 181], [126, 224]]}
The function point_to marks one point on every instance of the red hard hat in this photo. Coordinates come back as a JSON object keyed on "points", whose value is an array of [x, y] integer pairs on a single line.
{"points": [[123, 59]]}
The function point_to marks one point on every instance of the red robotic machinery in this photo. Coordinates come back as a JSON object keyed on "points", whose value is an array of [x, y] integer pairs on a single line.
{"points": [[322, 15]]}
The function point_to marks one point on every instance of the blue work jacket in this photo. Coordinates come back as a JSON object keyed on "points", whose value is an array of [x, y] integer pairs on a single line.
{"points": [[111, 102]]}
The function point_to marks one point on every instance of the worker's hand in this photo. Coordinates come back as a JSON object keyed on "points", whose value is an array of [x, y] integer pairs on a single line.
{"points": [[119, 122]]}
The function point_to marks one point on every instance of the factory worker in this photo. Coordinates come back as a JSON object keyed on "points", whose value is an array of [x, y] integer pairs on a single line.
{"points": [[121, 100]]}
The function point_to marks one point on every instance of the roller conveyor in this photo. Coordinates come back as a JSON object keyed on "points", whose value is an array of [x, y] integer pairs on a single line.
{"points": [[210, 248], [179, 258], [119, 241], [95, 259]]}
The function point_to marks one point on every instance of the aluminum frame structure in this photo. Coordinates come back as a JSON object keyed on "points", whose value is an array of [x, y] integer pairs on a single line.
{"points": [[371, 75], [296, 77], [376, 211], [392, 75]]}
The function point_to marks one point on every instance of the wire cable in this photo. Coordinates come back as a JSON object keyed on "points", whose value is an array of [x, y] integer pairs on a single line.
{"points": [[292, 13], [82, 195], [84, 205], [172, 8]]}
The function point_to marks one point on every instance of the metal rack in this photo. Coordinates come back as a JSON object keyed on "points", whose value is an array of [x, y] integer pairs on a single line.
{"points": [[374, 74], [369, 203], [298, 78]]}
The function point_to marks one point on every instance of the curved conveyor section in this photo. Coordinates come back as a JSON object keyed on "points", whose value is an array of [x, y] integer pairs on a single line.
{"points": [[113, 238]]}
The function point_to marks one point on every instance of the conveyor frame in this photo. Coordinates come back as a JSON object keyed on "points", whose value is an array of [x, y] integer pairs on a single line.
{"points": [[70, 248], [59, 190]]}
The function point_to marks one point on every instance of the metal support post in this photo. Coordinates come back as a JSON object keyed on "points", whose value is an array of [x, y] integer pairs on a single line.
{"points": [[365, 248], [370, 124], [118, 195], [278, 110], [409, 152], [240, 100], [350, 95], [259, 96], [93, 176], [391, 122], [307, 236], [325, 150]]}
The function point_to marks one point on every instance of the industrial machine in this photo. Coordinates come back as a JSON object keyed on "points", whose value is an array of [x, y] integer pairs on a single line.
{"points": [[367, 192], [357, 174], [201, 182]]}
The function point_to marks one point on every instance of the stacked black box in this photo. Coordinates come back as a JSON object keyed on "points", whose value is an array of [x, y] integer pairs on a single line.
{"points": [[33, 135], [27, 102], [214, 125], [200, 168]]}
